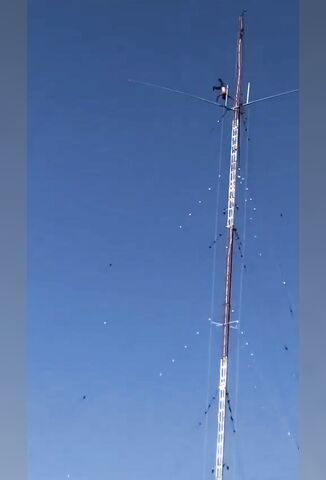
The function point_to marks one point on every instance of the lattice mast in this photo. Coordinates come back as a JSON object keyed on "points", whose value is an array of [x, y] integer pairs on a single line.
{"points": [[223, 382]]}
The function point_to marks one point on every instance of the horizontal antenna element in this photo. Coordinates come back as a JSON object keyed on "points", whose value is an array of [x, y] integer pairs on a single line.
{"points": [[206, 100], [172, 90]]}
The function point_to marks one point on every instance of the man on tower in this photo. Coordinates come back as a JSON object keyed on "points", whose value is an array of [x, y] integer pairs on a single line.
{"points": [[222, 89]]}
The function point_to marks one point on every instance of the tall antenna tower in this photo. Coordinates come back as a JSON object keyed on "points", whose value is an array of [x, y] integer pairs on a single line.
{"points": [[219, 463], [236, 110]]}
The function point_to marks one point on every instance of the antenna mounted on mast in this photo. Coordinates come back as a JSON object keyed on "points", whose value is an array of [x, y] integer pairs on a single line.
{"points": [[227, 323], [234, 154]]}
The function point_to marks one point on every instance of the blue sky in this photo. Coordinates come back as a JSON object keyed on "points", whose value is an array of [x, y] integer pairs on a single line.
{"points": [[114, 169]]}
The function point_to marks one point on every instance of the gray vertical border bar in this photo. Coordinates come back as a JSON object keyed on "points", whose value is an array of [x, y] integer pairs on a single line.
{"points": [[312, 240], [13, 372]]}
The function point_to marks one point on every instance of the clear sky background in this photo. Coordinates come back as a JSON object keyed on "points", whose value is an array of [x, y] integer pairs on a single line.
{"points": [[114, 169]]}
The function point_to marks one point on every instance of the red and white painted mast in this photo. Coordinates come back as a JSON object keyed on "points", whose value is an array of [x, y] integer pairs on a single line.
{"points": [[234, 155]]}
